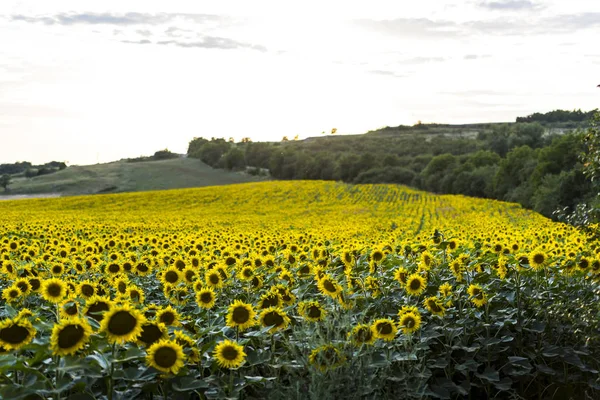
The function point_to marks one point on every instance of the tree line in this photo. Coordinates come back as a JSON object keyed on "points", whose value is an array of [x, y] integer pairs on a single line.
{"points": [[517, 162]]}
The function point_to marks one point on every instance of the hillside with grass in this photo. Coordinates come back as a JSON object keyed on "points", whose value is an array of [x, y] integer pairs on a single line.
{"points": [[123, 176]]}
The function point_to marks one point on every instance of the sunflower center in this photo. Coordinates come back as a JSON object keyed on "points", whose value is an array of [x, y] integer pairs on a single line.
{"points": [[54, 290], [57, 269], [434, 306], [142, 267], [69, 336], [14, 293], [14, 334], [150, 334], [23, 286], [206, 297], [270, 301], [121, 323], [214, 279], [96, 310], [329, 286], [364, 335], [167, 318], [114, 268], [415, 284], [165, 357], [538, 258], [71, 309], [314, 312], [87, 290], [273, 319], [229, 353], [35, 283], [385, 328], [240, 315], [409, 322], [171, 277]]}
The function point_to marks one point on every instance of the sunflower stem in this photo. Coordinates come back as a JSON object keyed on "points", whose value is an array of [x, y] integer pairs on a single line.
{"points": [[112, 370], [56, 377]]}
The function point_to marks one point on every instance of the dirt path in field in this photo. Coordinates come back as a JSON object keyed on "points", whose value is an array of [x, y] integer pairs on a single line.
{"points": [[28, 196]]}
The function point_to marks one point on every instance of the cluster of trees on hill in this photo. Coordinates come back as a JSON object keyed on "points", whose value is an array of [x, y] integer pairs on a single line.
{"points": [[30, 170], [558, 116], [165, 154], [517, 162]]}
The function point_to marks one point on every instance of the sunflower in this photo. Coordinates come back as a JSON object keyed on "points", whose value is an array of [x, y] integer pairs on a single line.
{"points": [[445, 289], [537, 259], [241, 315], [415, 284], [24, 286], [229, 354], [171, 276], [11, 294], [143, 268], [257, 281], [401, 275], [362, 334], [120, 284], [189, 275], [213, 279], [135, 294], [205, 298], [35, 283], [16, 333], [122, 324], [477, 295], [96, 306], [274, 317], [86, 289], [311, 311], [54, 290], [69, 308], [329, 287], [151, 333], [410, 322], [270, 299], [326, 357], [434, 306], [385, 329], [69, 336], [286, 294], [168, 316], [457, 269], [246, 273], [184, 340], [166, 356]]}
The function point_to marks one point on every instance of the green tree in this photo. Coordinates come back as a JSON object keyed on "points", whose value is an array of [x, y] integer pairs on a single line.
{"points": [[5, 181]]}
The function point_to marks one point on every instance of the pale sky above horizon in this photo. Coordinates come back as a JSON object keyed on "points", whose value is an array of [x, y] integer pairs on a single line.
{"points": [[96, 81]]}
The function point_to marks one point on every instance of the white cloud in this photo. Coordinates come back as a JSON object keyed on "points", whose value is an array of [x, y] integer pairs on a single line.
{"points": [[87, 81]]}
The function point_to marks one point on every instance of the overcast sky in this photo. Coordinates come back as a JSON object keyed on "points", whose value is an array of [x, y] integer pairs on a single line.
{"points": [[95, 81]]}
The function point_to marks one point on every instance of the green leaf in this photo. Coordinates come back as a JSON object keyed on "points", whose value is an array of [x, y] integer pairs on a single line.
{"points": [[378, 360], [504, 385], [131, 354], [545, 369], [489, 374], [439, 392], [186, 384]]}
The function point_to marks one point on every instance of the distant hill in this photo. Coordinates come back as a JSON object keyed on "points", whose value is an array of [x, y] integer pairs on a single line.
{"points": [[123, 176]]}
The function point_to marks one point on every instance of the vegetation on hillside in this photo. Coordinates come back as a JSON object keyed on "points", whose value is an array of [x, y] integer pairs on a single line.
{"points": [[523, 162], [287, 290], [123, 176]]}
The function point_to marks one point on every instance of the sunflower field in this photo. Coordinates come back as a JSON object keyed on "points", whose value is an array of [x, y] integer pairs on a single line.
{"points": [[295, 290]]}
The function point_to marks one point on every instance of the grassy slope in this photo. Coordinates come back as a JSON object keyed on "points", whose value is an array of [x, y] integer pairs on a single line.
{"points": [[121, 176]]}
